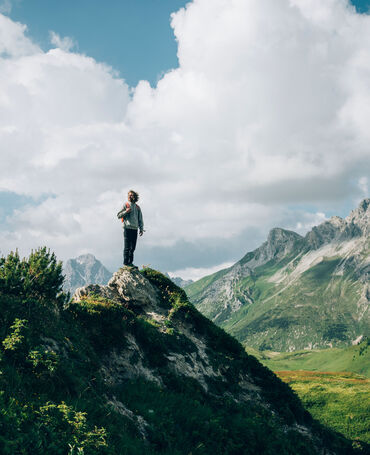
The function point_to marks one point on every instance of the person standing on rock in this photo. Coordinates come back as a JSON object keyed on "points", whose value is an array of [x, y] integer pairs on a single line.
{"points": [[132, 220]]}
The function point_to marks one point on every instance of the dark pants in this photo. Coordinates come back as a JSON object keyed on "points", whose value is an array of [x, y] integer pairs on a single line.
{"points": [[130, 237]]}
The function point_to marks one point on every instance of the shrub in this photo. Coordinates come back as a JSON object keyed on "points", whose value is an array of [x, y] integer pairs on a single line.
{"points": [[51, 428], [59, 426], [44, 361], [38, 277], [15, 340]]}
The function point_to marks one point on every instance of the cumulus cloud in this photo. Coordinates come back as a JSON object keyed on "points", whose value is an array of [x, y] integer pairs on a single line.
{"points": [[309, 221], [269, 107], [13, 41], [67, 43], [195, 273]]}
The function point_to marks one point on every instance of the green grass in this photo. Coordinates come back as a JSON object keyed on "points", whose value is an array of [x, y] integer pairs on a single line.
{"points": [[340, 401], [338, 398], [322, 272], [355, 359]]}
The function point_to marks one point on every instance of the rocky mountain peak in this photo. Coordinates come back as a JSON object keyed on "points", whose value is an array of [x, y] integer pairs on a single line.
{"points": [[86, 259], [337, 229], [83, 270], [337, 221], [361, 216], [280, 242], [277, 235], [324, 233]]}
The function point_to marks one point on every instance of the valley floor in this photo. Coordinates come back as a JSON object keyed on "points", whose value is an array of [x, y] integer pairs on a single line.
{"points": [[340, 401], [333, 385], [355, 359]]}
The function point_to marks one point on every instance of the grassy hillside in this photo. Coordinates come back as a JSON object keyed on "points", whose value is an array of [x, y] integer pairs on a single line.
{"points": [[338, 400], [101, 375], [355, 359], [310, 312]]}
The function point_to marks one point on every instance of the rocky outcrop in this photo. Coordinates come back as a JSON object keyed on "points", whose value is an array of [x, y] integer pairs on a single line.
{"points": [[280, 243], [132, 289], [360, 217], [93, 290], [336, 229]]}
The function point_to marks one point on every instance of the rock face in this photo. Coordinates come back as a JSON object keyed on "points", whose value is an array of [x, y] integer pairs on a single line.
{"points": [[161, 339], [84, 269], [296, 292]]}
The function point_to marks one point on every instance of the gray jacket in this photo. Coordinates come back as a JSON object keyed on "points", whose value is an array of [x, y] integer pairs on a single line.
{"points": [[132, 217]]}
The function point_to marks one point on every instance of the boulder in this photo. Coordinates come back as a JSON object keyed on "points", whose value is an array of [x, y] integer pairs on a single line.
{"points": [[133, 287], [127, 285]]}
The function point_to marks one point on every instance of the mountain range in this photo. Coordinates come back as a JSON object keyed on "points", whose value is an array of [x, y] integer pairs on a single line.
{"points": [[296, 292]]}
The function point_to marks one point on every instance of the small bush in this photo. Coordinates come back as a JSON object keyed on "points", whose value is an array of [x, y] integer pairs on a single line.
{"points": [[15, 340], [43, 361], [38, 277]]}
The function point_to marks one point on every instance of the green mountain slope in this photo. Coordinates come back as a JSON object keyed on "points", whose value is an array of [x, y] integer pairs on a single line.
{"points": [[296, 292], [133, 368]]}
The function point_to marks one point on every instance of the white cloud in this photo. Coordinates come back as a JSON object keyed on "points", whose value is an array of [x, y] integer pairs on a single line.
{"points": [[67, 43], [195, 273], [309, 221], [363, 184], [269, 107], [13, 41]]}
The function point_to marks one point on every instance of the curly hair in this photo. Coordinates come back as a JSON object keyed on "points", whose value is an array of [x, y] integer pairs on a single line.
{"points": [[135, 195]]}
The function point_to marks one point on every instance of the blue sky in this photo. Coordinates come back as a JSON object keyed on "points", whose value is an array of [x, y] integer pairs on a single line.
{"points": [[362, 6], [133, 36], [292, 147]]}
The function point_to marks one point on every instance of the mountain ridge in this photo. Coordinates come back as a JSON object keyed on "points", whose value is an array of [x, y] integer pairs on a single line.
{"points": [[331, 261]]}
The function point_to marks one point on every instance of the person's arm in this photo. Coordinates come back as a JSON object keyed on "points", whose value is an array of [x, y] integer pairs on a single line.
{"points": [[123, 212], [141, 222]]}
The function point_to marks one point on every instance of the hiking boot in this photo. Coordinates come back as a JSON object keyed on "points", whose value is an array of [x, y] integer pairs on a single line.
{"points": [[131, 267]]}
